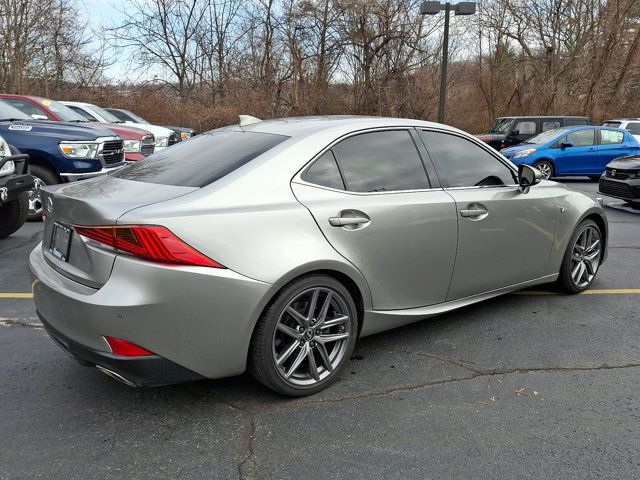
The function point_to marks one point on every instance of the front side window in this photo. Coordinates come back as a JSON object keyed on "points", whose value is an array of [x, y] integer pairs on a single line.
{"points": [[381, 162], [581, 138], [525, 128], [611, 137], [462, 163], [324, 171], [202, 160]]}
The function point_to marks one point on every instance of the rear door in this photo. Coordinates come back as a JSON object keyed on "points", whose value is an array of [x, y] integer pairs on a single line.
{"points": [[371, 197], [504, 236], [611, 145], [579, 159]]}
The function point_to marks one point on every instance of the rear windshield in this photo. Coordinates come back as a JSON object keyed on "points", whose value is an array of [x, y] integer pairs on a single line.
{"points": [[201, 160]]}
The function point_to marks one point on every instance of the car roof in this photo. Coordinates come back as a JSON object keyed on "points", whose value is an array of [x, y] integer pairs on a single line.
{"points": [[545, 116], [304, 126]]}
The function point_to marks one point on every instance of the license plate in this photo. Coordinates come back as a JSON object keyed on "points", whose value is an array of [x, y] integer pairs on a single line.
{"points": [[60, 241]]}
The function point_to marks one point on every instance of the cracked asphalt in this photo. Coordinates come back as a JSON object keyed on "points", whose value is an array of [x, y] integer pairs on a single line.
{"points": [[527, 386]]}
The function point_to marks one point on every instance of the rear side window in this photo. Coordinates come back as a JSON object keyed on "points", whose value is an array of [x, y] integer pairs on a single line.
{"points": [[202, 160], [381, 162], [611, 137], [324, 172], [634, 128]]}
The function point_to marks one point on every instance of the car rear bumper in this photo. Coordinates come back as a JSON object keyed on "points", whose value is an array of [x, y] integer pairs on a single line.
{"points": [[150, 371], [200, 319]]}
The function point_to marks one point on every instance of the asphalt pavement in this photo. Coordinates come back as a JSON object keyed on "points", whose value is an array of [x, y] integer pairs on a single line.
{"points": [[531, 385]]}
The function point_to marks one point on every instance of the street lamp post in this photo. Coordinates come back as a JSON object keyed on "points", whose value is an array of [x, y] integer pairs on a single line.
{"points": [[433, 8]]}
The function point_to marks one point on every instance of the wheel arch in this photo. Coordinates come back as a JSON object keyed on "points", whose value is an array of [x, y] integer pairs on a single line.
{"points": [[41, 161]]}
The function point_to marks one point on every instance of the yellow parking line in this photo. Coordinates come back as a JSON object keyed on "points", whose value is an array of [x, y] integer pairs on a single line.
{"points": [[612, 291], [16, 295]]}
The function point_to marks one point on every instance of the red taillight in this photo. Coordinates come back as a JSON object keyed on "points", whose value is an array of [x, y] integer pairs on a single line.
{"points": [[151, 242], [126, 349]]}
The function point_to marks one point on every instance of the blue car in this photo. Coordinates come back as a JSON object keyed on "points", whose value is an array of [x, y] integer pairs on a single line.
{"points": [[573, 151]]}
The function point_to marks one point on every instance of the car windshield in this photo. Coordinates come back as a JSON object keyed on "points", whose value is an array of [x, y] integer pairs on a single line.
{"points": [[109, 117], [501, 125], [62, 111], [547, 136], [7, 112], [136, 117]]}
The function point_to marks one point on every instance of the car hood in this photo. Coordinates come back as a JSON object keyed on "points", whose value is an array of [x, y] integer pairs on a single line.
{"points": [[490, 137], [510, 151], [157, 130], [626, 163], [127, 132], [57, 130]]}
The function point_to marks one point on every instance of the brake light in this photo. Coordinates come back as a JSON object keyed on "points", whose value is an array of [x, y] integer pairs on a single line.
{"points": [[126, 349], [151, 242]]}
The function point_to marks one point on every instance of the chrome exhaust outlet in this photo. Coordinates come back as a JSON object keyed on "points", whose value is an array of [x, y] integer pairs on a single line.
{"points": [[117, 376]]}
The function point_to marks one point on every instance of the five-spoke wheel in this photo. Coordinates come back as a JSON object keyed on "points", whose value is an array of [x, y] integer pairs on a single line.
{"points": [[582, 258]]}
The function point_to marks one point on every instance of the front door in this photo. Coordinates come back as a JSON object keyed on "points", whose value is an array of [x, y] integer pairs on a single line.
{"points": [[371, 197], [504, 236], [580, 157]]}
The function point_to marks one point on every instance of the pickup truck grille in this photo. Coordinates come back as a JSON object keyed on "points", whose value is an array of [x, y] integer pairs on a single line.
{"points": [[148, 145], [112, 152]]}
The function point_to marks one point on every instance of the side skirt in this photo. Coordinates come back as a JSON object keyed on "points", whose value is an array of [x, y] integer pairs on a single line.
{"points": [[380, 320]]}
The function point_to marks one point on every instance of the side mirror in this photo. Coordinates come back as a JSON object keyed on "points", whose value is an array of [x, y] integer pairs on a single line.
{"points": [[566, 145], [35, 116], [528, 177]]}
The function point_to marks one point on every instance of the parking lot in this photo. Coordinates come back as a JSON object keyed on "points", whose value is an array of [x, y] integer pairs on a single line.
{"points": [[528, 385]]}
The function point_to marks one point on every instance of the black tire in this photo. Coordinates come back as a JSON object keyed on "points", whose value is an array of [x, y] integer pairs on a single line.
{"points": [[13, 214], [565, 283], [545, 165], [261, 359], [42, 174]]}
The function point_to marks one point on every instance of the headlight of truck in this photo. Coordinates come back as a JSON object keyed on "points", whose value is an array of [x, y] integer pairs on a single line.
{"points": [[525, 153], [79, 150], [8, 168], [162, 141], [131, 146]]}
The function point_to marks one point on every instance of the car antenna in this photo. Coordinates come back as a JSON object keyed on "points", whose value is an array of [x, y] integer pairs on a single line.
{"points": [[246, 120]]}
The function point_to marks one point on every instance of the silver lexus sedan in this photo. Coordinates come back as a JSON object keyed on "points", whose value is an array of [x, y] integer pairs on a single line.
{"points": [[273, 245]]}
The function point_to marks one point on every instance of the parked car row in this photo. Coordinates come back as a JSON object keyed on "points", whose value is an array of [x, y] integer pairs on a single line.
{"points": [[569, 146], [68, 141]]}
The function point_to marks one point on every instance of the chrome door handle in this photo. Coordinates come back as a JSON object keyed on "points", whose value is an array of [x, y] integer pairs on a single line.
{"points": [[342, 221], [473, 212]]}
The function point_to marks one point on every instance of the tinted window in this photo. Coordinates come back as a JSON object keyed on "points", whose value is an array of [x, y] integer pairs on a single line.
{"points": [[119, 114], [464, 164], [83, 113], [324, 171], [202, 160], [576, 121], [581, 138], [611, 137], [25, 107], [634, 128], [525, 128], [380, 161], [612, 124], [550, 125]]}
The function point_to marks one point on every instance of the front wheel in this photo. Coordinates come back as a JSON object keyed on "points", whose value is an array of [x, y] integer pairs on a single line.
{"points": [[582, 258], [13, 214], [545, 167], [305, 337]]}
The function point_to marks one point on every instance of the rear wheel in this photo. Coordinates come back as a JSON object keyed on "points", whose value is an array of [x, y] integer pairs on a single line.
{"points": [[305, 337], [582, 258], [545, 167], [42, 177], [13, 214]]}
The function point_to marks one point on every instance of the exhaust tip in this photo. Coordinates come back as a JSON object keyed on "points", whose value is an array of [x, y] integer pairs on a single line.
{"points": [[117, 376]]}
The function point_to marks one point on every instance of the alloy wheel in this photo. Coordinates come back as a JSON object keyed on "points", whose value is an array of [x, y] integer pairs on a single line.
{"points": [[311, 336], [585, 257], [545, 169], [35, 203]]}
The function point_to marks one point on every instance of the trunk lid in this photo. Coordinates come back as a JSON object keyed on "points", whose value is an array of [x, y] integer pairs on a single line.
{"points": [[99, 201]]}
